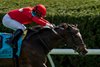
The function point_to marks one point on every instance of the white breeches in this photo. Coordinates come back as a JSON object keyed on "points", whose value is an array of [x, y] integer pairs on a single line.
{"points": [[12, 24]]}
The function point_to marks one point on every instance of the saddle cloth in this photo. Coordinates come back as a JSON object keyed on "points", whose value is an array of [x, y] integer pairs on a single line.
{"points": [[6, 51]]}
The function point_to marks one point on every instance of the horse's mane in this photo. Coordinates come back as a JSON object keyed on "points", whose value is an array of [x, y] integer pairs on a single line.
{"points": [[65, 25]]}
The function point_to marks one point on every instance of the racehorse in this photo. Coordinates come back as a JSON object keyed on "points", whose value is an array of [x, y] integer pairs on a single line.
{"points": [[40, 41]]}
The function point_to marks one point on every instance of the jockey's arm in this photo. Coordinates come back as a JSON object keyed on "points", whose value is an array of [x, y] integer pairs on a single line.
{"points": [[42, 22]]}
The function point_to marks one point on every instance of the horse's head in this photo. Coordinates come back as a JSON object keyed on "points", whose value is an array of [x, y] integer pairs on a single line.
{"points": [[73, 38]]}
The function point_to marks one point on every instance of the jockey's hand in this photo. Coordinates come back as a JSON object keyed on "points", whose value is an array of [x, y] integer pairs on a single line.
{"points": [[48, 25]]}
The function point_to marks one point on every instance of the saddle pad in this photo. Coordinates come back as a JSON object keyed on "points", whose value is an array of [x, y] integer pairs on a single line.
{"points": [[6, 51]]}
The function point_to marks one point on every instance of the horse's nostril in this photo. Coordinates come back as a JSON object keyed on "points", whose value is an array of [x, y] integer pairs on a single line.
{"points": [[86, 51], [82, 52]]}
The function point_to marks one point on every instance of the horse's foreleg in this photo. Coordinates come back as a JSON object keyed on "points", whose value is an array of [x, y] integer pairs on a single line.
{"points": [[24, 61]]}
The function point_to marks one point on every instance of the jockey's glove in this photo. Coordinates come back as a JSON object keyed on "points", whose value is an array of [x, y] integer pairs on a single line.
{"points": [[48, 25]]}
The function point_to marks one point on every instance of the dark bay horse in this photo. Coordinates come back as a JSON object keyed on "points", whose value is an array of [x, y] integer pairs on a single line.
{"points": [[38, 44]]}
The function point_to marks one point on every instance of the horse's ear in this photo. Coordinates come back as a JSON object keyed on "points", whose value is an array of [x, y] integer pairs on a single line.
{"points": [[76, 25], [69, 25], [65, 25], [72, 25]]}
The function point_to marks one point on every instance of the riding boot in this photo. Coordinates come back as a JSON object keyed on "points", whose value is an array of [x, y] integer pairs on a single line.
{"points": [[15, 37]]}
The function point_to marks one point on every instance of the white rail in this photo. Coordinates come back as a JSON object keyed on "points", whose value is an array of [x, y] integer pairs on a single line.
{"points": [[70, 52]]}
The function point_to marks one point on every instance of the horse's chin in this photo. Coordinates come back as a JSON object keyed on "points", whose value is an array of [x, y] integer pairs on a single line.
{"points": [[83, 52]]}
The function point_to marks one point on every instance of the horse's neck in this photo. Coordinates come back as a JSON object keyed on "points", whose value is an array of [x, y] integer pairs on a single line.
{"points": [[51, 39], [54, 39], [61, 35]]}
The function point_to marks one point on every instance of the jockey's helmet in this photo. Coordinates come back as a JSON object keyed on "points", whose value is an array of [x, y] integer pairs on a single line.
{"points": [[40, 10]]}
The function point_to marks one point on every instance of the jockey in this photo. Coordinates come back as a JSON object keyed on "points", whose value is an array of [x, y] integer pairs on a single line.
{"points": [[16, 19]]}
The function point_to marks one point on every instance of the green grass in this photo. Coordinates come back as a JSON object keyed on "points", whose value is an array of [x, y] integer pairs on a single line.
{"points": [[56, 7]]}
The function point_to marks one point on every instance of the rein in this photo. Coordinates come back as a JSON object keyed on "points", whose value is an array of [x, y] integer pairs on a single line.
{"points": [[45, 44]]}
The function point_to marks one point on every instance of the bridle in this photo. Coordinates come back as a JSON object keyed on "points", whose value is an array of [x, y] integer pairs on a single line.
{"points": [[75, 46], [68, 30], [70, 33]]}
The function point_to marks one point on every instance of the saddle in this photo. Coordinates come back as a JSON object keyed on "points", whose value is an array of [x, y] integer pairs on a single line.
{"points": [[6, 50]]}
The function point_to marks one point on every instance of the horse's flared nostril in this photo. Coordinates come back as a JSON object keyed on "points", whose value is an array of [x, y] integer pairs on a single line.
{"points": [[84, 52]]}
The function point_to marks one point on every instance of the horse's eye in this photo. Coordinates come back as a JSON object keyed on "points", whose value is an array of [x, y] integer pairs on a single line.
{"points": [[75, 31]]}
